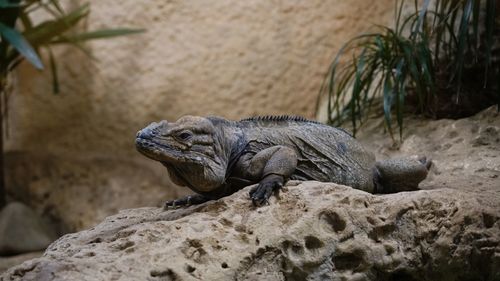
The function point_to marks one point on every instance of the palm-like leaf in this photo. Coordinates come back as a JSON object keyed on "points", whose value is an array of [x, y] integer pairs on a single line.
{"points": [[58, 30]]}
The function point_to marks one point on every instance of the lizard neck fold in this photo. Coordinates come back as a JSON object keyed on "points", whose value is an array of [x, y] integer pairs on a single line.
{"points": [[211, 173]]}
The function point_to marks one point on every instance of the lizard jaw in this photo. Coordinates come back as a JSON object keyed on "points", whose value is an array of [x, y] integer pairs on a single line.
{"points": [[162, 153]]}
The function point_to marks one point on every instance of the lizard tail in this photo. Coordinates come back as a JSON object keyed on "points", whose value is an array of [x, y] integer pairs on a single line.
{"points": [[400, 174]]}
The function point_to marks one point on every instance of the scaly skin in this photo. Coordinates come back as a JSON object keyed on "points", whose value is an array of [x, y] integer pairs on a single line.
{"points": [[216, 157]]}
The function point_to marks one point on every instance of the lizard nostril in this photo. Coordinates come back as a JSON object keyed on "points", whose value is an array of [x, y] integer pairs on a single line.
{"points": [[144, 134]]}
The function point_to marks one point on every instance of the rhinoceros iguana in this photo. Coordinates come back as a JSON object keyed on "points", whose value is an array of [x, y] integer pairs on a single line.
{"points": [[216, 157]]}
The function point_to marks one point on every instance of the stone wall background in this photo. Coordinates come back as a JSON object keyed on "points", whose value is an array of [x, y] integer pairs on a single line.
{"points": [[72, 156]]}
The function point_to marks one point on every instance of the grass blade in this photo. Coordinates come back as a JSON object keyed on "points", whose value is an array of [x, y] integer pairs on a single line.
{"points": [[387, 101], [43, 33], [8, 4], [421, 17], [399, 12], [356, 91], [460, 53], [53, 70], [490, 25], [400, 94], [475, 26], [17, 41], [98, 34], [58, 6]]}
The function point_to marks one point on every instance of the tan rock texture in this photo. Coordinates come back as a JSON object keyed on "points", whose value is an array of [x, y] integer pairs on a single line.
{"points": [[229, 58], [315, 231], [10, 261]]}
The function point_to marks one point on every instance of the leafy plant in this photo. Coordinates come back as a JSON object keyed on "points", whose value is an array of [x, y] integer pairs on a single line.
{"points": [[435, 61], [22, 39]]}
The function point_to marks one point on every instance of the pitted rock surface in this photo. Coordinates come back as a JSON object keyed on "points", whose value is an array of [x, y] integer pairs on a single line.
{"points": [[313, 231]]}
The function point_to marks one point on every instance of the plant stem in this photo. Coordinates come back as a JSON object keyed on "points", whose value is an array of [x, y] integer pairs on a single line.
{"points": [[8, 16], [3, 196], [3, 84]]}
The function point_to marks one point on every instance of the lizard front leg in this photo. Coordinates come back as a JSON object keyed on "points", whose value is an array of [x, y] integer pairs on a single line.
{"points": [[273, 166]]}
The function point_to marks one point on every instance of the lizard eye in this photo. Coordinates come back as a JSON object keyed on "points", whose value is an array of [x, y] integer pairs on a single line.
{"points": [[184, 135]]}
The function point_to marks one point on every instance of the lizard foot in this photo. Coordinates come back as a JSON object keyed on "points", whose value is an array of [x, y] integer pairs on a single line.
{"points": [[426, 162], [185, 201], [261, 193]]}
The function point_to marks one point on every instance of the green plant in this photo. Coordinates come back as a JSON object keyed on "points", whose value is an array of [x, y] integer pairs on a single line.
{"points": [[420, 64], [22, 39]]}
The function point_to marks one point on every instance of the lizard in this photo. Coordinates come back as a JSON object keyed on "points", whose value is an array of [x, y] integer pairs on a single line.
{"points": [[216, 157]]}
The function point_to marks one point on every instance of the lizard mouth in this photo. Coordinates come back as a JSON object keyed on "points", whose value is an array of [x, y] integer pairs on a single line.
{"points": [[161, 152]]}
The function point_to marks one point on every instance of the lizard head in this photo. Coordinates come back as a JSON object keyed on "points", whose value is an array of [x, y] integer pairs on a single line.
{"points": [[189, 150]]}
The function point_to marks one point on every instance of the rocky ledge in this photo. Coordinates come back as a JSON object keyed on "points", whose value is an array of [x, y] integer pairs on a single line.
{"points": [[310, 231]]}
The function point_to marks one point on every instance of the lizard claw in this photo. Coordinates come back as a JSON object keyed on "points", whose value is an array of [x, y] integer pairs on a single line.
{"points": [[253, 190], [171, 204], [261, 193], [177, 203]]}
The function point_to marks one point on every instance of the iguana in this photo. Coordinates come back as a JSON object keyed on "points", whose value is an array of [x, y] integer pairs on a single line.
{"points": [[216, 157]]}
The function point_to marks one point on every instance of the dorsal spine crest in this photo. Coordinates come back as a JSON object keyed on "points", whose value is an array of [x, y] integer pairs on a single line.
{"points": [[279, 118]]}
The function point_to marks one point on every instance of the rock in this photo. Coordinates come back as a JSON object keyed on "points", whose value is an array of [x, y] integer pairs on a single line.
{"points": [[78, 193], [313, 231], [22, 230], [8, 262]]}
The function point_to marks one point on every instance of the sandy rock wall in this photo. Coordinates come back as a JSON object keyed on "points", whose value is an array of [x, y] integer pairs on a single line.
{"points": [[229, 58]]}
